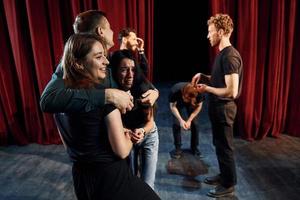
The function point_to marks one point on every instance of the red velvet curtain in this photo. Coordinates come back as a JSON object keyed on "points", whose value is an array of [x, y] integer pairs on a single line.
{"points": [[32, 35], [267, 36]]}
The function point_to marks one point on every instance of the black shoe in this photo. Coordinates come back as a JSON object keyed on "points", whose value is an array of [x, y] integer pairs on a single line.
{"points": [[221, 191], [197, 153], [177, 154], [213, 180]]}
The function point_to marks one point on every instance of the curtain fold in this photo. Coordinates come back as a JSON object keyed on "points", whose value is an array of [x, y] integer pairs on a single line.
{"points": [[32, 36]]}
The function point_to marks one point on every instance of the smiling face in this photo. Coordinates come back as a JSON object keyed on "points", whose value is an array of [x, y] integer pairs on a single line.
{"points": [[96, 62], [131, 41], [126, 73]]}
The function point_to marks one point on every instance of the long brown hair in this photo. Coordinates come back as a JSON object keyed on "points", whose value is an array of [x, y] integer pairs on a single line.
{"points": [[75, 52]]}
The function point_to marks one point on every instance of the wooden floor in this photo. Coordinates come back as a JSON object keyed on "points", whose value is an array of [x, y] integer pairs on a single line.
{"points": [[267, 170]]}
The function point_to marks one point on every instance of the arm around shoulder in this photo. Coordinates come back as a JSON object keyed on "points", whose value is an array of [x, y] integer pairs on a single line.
{"points": [[57, 98]]}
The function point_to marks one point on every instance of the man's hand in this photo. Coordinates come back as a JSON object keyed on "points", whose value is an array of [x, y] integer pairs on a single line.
{"points": [[122, 100], [201, 88], [183, 124], [196, 78], [188, 124], [140, 45], [149, 97]]}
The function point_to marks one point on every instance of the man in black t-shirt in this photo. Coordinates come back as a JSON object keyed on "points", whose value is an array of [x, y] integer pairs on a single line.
{"points": [[184, 96], [223, 86]]}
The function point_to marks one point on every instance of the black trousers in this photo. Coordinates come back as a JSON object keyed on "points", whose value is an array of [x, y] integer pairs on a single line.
{"points": [[194, 128], [222, 115], [115, 181]]}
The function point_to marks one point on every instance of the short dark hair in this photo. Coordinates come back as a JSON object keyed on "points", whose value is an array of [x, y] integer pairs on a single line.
{"points": [[124, 33], [88, 21]]}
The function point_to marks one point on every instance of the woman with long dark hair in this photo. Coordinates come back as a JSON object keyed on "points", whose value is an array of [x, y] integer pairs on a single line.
{"points": [[140, 120]]}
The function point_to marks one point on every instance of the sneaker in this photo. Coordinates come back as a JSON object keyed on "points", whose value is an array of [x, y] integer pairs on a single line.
{"points": [[213, 180], [221, 191], [177, 154]]}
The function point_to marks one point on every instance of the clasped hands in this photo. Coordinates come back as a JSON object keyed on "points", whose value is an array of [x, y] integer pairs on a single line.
{"points": [[136, 135], [186, 125]]}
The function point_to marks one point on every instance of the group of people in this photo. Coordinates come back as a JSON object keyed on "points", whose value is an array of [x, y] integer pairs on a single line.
{"points": [[104, 108]]}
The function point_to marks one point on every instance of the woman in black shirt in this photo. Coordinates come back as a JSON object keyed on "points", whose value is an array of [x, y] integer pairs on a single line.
{"points": [[96, 141]]}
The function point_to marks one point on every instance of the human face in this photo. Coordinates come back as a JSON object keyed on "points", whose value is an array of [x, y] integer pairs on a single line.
{"points": [[213, 35], [126, 72], [107, 33], [132, 42], [96, 62]]}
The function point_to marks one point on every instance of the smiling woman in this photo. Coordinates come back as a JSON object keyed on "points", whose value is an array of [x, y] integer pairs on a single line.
{"points": [[95, 140], [84, 61]]}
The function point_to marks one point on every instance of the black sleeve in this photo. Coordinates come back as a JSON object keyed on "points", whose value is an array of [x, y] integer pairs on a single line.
{"points": [[143, 62], [57, 98], [108, 109], [231, 64]]}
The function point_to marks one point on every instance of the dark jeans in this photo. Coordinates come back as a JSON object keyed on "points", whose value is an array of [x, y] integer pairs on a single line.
{"points": [[222, 115], [194, 129]]}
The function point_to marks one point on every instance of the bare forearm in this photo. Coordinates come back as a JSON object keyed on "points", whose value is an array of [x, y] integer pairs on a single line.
{"points": [[195, 112], [120, 142], [150, 122], [175, 112]]}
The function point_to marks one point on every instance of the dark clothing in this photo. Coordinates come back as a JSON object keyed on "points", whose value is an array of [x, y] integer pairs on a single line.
{"points": [[136, 118], [176, 96], [112, 182], [222, 112], [143, 63], [57, 98], [88, 139], [228, 61], [97, 172]]}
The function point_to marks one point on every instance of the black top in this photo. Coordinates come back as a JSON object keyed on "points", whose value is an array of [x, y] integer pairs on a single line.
{"points": [[87, 141], [175, 95], [228, 61], [137, 118]]}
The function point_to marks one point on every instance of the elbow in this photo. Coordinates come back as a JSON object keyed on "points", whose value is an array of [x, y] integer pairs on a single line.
{"points": [[234, 94], [43, 105], [122, 155]]}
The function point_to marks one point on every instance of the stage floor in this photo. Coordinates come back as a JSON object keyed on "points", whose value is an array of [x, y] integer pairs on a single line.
{"points": [[267, 170]]}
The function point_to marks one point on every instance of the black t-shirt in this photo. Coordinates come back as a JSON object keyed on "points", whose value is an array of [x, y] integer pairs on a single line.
{"points": [[175, 95], [137, 117], [228, 61], [87, 140]]}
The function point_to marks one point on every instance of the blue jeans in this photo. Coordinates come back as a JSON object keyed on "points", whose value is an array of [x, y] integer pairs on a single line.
{"points": [[149, 152]]}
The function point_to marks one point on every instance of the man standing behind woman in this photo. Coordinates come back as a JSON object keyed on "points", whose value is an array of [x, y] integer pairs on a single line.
{"points": [[224, 86], [57, 98], [96, 143], [140, 120]]}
